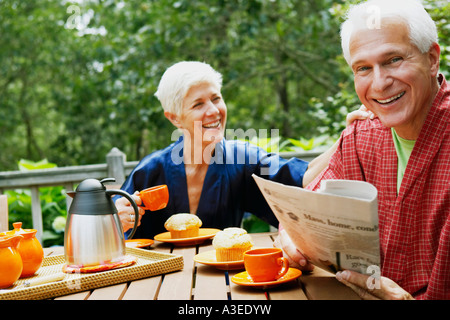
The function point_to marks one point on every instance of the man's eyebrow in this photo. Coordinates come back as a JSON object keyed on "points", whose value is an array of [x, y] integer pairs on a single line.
{"points": [[382, 56], [392, 53]]}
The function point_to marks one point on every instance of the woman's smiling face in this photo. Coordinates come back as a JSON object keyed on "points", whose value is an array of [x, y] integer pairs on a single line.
{"points": [[393, 78], [203, 113]]}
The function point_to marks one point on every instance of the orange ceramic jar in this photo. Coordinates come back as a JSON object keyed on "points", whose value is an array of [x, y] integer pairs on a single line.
{"points": [[29, 248], [10, 261]]}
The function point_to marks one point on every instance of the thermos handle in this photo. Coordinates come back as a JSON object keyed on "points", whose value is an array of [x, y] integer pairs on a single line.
{"points": [[136, 210]]}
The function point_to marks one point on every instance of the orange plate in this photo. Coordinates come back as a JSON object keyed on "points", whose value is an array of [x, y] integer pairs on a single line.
{"points": [[203, 234], [244, 279], [138, 243], [209, 258]]}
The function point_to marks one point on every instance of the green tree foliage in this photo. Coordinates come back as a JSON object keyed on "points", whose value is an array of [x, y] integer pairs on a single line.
{"points": [[78, 77]]}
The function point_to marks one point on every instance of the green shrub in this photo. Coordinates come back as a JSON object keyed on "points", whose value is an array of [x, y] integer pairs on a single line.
{"points": [[53, 204]]}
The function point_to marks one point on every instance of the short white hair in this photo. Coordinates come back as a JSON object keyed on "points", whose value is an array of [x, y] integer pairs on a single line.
{"points": [[179, 78], [369, 14]]}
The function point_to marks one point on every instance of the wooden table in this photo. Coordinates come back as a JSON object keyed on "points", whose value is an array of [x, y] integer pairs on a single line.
{"points": [[202, 282]]}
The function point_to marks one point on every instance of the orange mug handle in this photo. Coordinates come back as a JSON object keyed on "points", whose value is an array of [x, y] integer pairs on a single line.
{"points": [[285, 263]]}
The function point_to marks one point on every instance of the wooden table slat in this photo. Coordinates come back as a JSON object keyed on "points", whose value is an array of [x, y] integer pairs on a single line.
{"points": [[76, 296], [177, 285], [322, 285], [144, 289], [148, 288], [114, 292], [210, 283], [288, 291]]}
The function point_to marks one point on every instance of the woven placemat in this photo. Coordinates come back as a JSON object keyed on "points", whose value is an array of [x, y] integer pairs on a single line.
{"points": [[149, 263]]}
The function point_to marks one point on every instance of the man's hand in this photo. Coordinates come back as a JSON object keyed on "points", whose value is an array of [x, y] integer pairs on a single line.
{"points": [[290, 252], [369, 288]]}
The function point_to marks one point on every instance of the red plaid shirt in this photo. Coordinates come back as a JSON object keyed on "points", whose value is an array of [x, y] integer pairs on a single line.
{"points": [[415, 224]]}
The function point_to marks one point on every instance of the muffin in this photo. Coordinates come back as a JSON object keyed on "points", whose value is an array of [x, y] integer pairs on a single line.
{"points": [[183, 225], [231, 243]]}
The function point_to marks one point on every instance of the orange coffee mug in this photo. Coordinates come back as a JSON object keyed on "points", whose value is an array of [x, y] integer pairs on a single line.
{"points": [[265, 264], [154, 198]]}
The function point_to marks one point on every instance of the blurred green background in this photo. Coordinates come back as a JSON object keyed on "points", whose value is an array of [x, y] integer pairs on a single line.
{"points": [[78, 77]]}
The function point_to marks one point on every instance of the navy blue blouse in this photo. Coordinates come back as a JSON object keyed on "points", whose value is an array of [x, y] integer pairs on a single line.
{"points": [[228, 189]]}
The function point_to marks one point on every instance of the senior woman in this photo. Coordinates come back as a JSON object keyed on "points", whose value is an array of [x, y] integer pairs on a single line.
{"points": [[206, 174]]}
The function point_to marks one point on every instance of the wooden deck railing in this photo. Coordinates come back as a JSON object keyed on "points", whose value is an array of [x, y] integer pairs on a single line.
{"points": [[116, 166]]}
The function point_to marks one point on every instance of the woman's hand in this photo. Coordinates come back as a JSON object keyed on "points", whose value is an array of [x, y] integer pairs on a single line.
{"points": [[126, 212], [370, 288], [361, 114], [290, 252], [321, 162]]}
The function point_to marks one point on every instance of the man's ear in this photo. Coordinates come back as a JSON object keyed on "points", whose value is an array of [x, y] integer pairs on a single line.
{"points": [[434, 54], [172, 118]]}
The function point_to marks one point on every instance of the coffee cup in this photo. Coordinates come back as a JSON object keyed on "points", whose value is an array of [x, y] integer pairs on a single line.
{"points": [[265, 264], [154, 198]]}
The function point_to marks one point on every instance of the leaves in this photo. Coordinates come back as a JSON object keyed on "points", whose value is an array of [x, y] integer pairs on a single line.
{"points": [[25, 165], [75, 83], [53, 204], [303, 143], [78, 78]]}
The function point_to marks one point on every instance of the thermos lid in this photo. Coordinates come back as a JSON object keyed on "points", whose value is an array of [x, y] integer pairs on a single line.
{"points": [[89, 185], [90, 198]]}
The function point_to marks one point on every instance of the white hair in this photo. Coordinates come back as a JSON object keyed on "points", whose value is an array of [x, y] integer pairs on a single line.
{"points": [[179, 78], [422, 29]]}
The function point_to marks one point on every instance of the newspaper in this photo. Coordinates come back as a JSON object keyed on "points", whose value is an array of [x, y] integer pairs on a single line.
{"points": [[335, 228]]}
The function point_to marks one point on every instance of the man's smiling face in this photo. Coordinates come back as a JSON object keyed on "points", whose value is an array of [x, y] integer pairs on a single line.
{"points": [[393, 78]]}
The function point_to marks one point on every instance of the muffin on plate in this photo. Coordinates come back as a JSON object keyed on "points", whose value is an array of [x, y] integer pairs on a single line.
{"points": [[183, 225], [231, 243]]}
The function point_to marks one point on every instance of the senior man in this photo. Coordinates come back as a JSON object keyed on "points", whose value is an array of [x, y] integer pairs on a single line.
{"points": [[392, 48]]}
